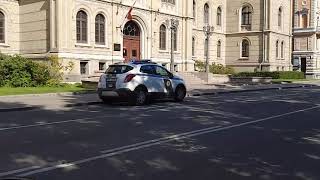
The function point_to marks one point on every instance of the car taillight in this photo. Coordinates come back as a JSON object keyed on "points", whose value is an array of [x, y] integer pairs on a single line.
{"points": [[129, 77]]}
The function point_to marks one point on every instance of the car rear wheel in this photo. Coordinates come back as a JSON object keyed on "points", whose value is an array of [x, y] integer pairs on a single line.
{"points": [[180, 94], [140, 97]]}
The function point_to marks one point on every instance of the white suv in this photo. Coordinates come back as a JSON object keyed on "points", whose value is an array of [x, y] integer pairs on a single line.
{"points": [[138, 82]]}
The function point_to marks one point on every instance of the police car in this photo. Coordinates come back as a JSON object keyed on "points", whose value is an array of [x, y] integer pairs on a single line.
{"points": [[138, 82]]}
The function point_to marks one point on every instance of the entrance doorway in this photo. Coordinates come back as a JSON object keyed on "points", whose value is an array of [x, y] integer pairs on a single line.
{"points": [[304, 65], [131, 41]]}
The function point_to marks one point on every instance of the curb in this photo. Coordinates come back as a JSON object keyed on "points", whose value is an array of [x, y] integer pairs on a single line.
{"points": [[53, 94], [29, 108], [249, 90], [84, 104]]}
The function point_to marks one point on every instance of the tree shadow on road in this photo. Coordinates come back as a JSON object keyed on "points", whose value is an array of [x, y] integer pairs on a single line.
{"points": [[46, 137]]}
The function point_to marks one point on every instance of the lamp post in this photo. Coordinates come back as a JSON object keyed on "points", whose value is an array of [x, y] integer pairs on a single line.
{"points": [[173, 24], [208, 30]]}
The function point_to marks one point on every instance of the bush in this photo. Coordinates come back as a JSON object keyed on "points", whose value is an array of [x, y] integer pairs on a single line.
{"points": [[214, 68], [16, 71], [274, 75]]}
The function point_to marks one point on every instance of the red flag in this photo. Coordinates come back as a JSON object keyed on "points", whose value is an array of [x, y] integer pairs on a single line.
{"points": [[129, 15]]}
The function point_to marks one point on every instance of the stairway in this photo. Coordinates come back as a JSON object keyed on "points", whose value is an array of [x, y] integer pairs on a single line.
{"points": [[191, 79]]}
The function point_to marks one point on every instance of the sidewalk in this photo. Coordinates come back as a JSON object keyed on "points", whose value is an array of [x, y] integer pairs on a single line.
{"points": [[68, 100]]}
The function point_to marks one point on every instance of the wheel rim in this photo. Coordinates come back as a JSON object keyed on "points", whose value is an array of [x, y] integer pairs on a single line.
{"points": [[141, 97], [181, 93]]}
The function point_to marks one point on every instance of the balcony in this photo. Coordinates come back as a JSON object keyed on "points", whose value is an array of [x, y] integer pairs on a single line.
{"points": [[305, 30], [245, 27]]}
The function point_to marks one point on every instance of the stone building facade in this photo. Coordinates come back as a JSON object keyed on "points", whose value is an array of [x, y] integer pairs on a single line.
{"points": [[306, 37], [248, 35]]}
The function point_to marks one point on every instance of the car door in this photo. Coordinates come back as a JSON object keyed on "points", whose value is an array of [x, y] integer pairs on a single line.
{"points": [[150, 79], [165, 79]]}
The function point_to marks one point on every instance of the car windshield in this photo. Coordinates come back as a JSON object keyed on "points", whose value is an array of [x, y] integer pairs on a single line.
{"points": [[118, 69]]}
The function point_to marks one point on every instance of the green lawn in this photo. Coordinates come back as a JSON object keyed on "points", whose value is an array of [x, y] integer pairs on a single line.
{"points": [[4, 91]]}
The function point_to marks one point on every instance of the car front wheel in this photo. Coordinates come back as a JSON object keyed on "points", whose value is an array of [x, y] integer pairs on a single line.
{"points": [[180, 94]]}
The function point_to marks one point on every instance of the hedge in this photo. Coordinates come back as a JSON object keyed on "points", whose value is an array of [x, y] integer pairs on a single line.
{"points": [[214, 68], [274, 75], [16, 71]]}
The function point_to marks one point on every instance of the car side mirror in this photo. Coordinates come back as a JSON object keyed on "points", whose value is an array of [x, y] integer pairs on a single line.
{"points": [[171, 75]]}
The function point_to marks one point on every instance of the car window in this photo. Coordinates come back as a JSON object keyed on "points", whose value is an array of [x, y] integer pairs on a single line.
{"points": [[147, 69], [118, 69], [161, 71]]}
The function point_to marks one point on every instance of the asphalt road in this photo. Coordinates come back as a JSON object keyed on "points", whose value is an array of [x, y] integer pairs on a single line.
{"points": [[256, 135]]}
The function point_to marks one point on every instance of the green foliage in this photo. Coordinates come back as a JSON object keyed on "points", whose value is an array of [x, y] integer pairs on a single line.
{"points": [[214, 68], [17, 71], [220, 69], [274, 75]]}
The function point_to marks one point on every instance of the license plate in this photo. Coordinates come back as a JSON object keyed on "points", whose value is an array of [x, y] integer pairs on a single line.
{"points": [[110, 85], [111, 79], [109, 93]]}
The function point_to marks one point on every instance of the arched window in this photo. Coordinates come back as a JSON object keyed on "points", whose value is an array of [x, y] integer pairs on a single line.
{"points": [[205, 47], [194, 9], [162, 37], [245, 48], [219, 49], [131, 29], [246, 18], [280, 17], [219, 16], [206, 13], [193, 45], [277, 49], [282, 49], [100, 29], [2, 28], [304, 20], [175, 39], [82, 27]]}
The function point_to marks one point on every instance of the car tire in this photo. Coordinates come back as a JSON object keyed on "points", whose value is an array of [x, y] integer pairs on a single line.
{"points": [[140, 97], [180, 94], [107, 101]]}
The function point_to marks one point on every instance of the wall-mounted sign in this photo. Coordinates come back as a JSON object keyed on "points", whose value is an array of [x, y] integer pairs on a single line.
{"points": [[117, 47]]}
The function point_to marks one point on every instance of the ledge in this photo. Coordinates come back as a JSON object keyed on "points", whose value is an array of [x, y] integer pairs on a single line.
{"points": [[82, 45], [4, 45], [101, 46]]}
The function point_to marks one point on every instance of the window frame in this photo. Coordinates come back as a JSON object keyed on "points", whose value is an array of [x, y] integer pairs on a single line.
{"points": [[206, 13], [245, 51], [194, 9], [282, 50], [100, 29], [162, 37], [280, 17], [81, 25], [246, 16], [219, 16], [277, 49], [3, 19], [219, 49], [193, 45]]}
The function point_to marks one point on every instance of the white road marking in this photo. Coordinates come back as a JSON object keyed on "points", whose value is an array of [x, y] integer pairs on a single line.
{"points": [[142, 145], [314, 140], [19, 171], [52, 123]]}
